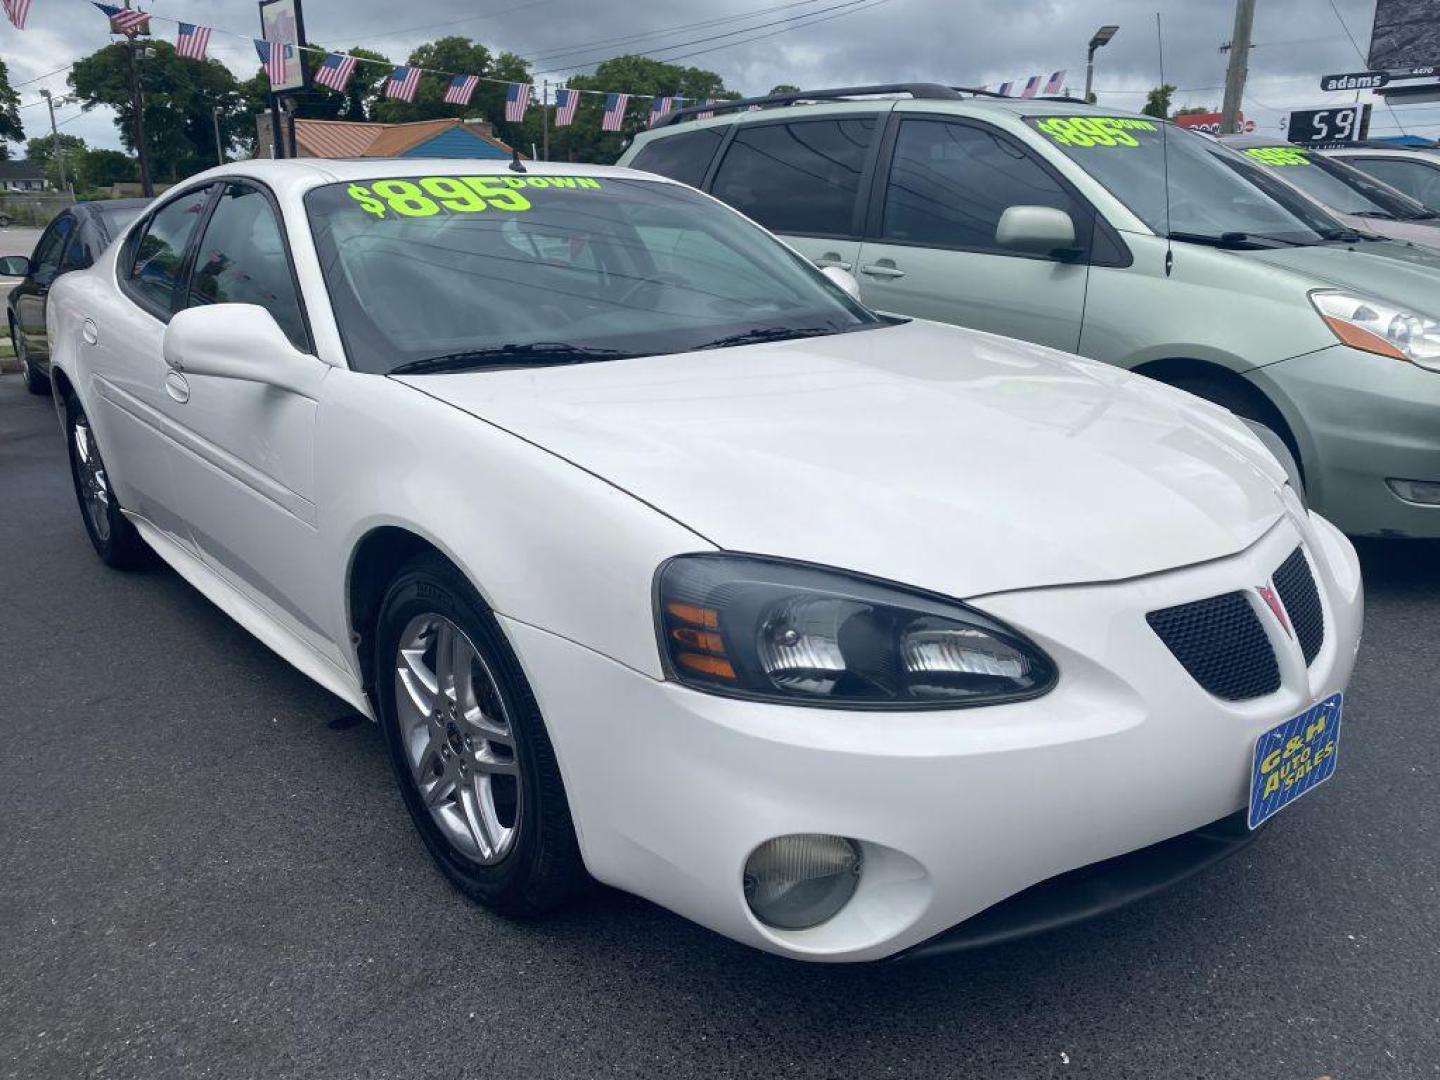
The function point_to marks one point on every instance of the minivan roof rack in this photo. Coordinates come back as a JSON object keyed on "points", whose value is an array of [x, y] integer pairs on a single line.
{"points": [[919, 91], [933, 91]]}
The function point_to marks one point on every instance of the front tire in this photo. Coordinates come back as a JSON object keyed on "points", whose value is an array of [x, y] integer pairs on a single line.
{"points": [[468, 745], [114, 537]]}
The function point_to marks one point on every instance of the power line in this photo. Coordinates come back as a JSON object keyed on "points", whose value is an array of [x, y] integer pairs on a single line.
{"points": [[865, 5], [712, 37]]}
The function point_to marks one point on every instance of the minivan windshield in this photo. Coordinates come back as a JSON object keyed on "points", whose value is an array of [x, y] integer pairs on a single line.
{"points": [[450, 273], [1339, 186], [1215, 194]]}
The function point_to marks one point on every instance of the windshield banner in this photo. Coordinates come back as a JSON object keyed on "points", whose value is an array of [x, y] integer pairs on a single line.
{"points": [[428, 195], [1103, 131]]}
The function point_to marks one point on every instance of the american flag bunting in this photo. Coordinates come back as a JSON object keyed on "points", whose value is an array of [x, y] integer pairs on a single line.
{"points": [[1032, 86], [1005, 88], [566, 102], [707, 112], [124, 20], [660, 108], [192, 41], [1056, 83], [335, 71], [403, 83], [272, 54], [517, 100], [461, 89], [17, 10], [614, 111]]}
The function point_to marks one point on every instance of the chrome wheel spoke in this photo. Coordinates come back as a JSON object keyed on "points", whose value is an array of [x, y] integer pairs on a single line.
{"points": [[459, 740]]}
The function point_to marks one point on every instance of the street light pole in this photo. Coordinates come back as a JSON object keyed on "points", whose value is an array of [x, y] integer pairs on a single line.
{"points": [[137, 105], [1102, 38], [55, 139]]}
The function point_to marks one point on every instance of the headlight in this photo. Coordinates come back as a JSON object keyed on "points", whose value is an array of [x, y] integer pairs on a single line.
{"points": [[753, 627], [1380, 327]]}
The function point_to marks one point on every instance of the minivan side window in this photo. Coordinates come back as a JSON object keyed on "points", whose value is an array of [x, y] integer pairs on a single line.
{"points": [[45, 264], [1416, 179], [242, 260], [800, 177], [684, 157], [159, 255], [949, 183]]}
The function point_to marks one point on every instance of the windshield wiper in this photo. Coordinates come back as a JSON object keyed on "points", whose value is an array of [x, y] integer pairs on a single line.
{"points": [[1235, 241], [760, 334], [1379, 215], [1348, 236], [536, 354]]}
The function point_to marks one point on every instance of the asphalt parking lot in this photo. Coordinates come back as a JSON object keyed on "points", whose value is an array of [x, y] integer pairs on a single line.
{"points": [[205, 871]]}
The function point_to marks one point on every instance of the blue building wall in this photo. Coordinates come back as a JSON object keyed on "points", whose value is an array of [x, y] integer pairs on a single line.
{"points": [[456, 143]]}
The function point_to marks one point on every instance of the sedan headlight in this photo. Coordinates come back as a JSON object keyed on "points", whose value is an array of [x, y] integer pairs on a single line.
{"points": [[753, 627], [1380, 327]]}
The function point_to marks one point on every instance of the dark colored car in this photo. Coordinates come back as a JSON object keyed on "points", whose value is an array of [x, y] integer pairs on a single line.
{"points": [[72, 241]]}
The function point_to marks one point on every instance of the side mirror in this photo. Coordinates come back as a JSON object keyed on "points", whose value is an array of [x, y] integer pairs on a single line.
{"points": [[14, 266], [844, 279], [238, 341], [1042, 230]]}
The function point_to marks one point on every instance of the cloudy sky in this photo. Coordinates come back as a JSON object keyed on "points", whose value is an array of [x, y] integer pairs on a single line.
{"points": [[952, 41]]}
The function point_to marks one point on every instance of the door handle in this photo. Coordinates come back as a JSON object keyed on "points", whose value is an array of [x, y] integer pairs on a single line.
{"points": [[90, 332], [885, 268], [832, 258], [177, 386]]}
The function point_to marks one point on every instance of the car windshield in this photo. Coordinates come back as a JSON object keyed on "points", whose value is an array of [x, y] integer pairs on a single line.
{"points": [[1339, 186], [446, 273], [1214, 193]]}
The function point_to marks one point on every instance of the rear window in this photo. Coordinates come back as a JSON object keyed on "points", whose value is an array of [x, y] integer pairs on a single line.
{"points": [[797, 178], [683, 157]]}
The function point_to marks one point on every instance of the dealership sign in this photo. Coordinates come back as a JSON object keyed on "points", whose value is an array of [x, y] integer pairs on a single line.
{"points": [[1334, 125], [1209, 122], [1358, 80]]}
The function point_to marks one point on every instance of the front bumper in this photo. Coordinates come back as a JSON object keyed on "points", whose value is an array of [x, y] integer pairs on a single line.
{"points": [[955, 811], [1361, 420]]}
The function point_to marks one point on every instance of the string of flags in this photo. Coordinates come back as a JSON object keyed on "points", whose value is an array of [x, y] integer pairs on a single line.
{"points": [[1053, 85], [335, 70]]}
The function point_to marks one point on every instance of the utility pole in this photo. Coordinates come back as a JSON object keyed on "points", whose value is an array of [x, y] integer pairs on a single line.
{"points": [[55, 139], [219, 147], [545, 120], [1239, 67], [137, 104]]}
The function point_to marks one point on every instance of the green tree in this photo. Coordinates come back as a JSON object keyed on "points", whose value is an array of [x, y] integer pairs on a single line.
{"points": [[1157, 102], [179, 96], [1192, 110], [101, 168], [11, 130], [784, 88], [41, 151], [643, 77]]}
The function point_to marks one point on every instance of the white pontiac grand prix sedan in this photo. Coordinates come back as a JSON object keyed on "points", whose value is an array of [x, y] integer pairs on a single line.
{"points": [[662, 561]]}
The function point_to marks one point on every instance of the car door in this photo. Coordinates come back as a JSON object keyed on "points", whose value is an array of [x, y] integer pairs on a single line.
{"points": [[1416, 177], [30, 294], [122, 349], [930, 248], [802, 178], [244, 468]]}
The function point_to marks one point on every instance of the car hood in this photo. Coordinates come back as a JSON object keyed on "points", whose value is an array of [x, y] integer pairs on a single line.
{"points": [[944, 458], [1406, 274]]}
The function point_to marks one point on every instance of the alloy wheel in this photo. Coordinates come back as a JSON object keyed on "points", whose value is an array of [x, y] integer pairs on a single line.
{"points": [[458, 738], [94, 487]]}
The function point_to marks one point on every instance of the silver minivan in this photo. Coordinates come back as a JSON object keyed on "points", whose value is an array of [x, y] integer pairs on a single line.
{"points": [[1115, 236]]}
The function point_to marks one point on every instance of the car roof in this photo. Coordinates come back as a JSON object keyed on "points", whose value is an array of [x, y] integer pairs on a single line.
{"points": [[300, 174], [1243, 141]]}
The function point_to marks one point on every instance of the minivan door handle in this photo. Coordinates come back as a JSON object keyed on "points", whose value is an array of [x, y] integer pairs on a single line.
{"points": [[882, 268], [832, 258]]}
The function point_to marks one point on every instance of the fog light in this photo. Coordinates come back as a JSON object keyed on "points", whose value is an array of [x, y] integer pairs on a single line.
{"points": [[796, 882], [1425, 492]]}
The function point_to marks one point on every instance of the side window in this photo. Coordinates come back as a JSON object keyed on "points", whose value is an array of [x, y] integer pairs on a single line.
{"points": [[45, 263], [77, 253], [160, 252], [683, 157], [242, 260], [949, 184], [797, 178], [1414, 178]]}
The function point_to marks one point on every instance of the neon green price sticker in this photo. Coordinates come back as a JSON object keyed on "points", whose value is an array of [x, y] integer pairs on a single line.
{"points": [[429, 195], [1101, 131], [1278, 155]]}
